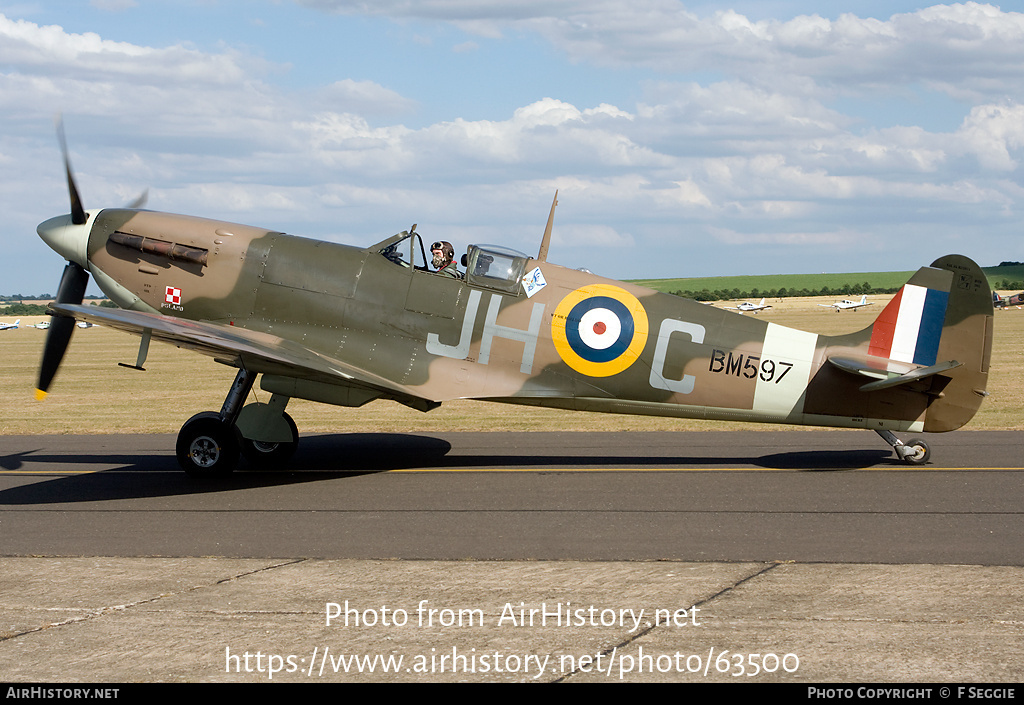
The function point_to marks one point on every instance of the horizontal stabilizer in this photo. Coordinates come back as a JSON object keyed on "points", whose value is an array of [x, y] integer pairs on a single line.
{"points": [[887, 373]]}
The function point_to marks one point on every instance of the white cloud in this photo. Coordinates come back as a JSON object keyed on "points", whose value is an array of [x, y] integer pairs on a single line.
{"points": [[811, 239], [761, 159], [992, 133], [89, 57], [364, 97], [600, 236], [966, 50], [545, 132]]}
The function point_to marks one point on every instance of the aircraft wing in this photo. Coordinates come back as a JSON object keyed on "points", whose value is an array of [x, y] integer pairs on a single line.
{"points": [[239, 347]]}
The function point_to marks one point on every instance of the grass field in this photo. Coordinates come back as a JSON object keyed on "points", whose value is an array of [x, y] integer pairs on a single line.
{"points": [[92, 394]]}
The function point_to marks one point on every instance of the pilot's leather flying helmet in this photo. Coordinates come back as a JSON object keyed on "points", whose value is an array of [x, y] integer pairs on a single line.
{"points": [[447, 251]]}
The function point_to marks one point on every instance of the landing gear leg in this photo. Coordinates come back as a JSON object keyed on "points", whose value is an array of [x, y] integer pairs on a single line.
{"points": [[913, 452], [209, 443]]}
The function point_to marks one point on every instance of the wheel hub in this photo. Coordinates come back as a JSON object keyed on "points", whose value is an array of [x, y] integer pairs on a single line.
{"points": [[204, 451]]}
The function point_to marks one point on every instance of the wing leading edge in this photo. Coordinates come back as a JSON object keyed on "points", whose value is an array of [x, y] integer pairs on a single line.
{"points": [[240, 347]]}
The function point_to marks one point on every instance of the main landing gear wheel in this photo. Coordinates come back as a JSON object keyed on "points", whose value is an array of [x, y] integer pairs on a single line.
{"points": [[207, 446], [269, 456]]}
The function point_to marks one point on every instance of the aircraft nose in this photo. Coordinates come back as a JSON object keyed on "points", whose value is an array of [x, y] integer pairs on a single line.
{"points": [[65, 238]]}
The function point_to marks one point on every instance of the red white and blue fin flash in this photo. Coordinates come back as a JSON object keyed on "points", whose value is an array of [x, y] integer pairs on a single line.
{"points": [[909, 328]]}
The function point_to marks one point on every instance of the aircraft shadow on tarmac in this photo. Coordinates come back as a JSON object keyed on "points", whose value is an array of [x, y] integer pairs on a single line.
{"points": [[331, 456]]}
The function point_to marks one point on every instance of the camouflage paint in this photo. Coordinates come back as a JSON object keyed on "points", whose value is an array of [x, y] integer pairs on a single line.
{"points": [[344, 325]]}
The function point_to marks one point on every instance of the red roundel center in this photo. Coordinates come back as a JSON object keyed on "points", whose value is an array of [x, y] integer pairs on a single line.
{"points": [[600, 327]]}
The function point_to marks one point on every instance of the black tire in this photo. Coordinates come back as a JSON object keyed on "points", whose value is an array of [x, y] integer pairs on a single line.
{"points": [[271, 456], [921, 452], [207, 447]]}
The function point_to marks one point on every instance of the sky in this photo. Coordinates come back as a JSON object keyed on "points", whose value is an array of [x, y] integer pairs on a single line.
{"points": [[685, 139]]}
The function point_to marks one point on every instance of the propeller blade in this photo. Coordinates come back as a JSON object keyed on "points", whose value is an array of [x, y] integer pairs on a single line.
{"points": [[71, 291], [140, 200], [78, 216]]}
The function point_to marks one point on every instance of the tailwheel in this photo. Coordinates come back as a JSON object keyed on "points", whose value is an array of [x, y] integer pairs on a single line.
{"points": [[916, 452], [268, 455], [207, 446]]}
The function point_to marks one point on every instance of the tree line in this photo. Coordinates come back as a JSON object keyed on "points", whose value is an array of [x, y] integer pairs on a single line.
{"points": [[41, 310], [785, 292]]}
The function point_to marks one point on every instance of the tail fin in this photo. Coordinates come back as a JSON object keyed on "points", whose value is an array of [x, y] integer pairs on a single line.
{"points": [[966, 337], [934, 337]]}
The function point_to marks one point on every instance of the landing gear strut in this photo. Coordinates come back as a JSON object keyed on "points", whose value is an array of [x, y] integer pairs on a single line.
{"points": [[210, 443], [913, 452]]}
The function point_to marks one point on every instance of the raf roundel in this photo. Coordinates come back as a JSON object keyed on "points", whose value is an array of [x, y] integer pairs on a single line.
{"points": [[599, 330]]}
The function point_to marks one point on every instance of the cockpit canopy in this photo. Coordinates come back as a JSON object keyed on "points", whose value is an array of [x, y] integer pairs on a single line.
{"points": [[495, 267], [404, 249], [489, 266]]}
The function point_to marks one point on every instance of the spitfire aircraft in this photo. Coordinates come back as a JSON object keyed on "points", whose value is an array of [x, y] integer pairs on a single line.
{"points": [[846, 304], [1007, 301], [747, 306], [346, 325], [10, 326]]}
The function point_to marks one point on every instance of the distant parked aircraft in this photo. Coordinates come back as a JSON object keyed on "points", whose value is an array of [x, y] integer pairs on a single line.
{"points": [[847, 304], [747, 306], [10, 326], [1004, 301]]}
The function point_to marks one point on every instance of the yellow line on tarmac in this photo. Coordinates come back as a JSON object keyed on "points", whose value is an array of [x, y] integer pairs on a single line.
{"points": [[48, 472], [409, 470], [696, 469]]}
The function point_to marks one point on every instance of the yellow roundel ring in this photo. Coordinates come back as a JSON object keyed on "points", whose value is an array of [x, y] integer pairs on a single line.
{"points": [[599, 330]]}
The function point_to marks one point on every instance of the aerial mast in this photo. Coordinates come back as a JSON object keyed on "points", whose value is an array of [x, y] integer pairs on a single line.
{"points": [[543, 254]]}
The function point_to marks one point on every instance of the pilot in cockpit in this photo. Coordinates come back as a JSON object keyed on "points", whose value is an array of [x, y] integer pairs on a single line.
{"points": [[444, 259]]}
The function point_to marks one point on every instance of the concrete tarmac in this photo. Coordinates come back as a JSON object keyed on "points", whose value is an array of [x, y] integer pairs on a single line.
{"points": [[116, 620], [76, 617]]}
